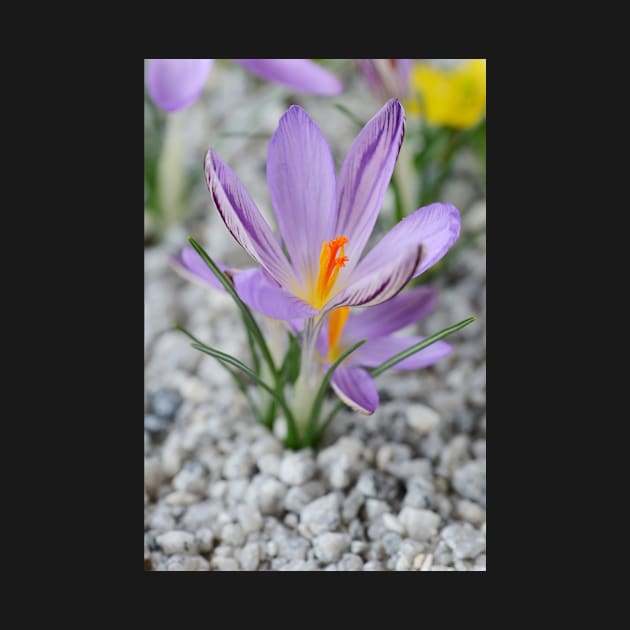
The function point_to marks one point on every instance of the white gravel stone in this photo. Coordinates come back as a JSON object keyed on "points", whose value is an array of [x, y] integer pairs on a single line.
{"points": [[374, 508], [422, 419], [329, 546], [320, 516], [341, 461], [187, 563], [297, 468], [299, 496], [205, 539], [393, 524], [232, 534], [249, 518], [471, 512], [177, 542], [464, 540], [250, 557], [470, 481], [269, 464], [271, 496], [350, 562], [419, 524], [238, 465], [351, 505], [372, 566], [152, 474], [180, 498], [224, 564]]}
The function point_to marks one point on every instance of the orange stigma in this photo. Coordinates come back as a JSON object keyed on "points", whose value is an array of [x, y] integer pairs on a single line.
{"points": [[331, 260]]}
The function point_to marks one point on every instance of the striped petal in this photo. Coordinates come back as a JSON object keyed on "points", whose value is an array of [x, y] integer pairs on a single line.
{"points": [[301, 178], [381, 320], [244, 221], [364, 177], [189, 264], [435, 227], [356, 388]]}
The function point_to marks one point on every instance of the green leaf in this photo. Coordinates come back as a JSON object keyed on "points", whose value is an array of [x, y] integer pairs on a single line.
{"points": [[291, 366], [321, 392], [397, 358], [320, 432], [230, 360], [248, 318]]}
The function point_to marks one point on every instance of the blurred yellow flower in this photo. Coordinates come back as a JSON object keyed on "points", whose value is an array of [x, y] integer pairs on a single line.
{"points": [[450, 98]]}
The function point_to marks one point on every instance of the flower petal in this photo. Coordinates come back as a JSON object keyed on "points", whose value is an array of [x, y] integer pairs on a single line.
{"points": [[435, 227], [259, 293], [298, 74], [301, 177], [364, 177], [379, 284], [356, 388], [176, 83], [374, 352], [189, 264], [243, 219], [377, 321]]}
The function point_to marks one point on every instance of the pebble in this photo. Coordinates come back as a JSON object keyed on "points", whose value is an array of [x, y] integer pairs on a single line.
{"points": [[232, 534], [205, 539], [329, 546], [320, 516], [419, 524], [471, 512], [351, 505], [187, 563], [250, 557], [350, 562], [340, 461], [391, 543], [299, 496], [374, 508], [422, 419], [165, 402], [271, 496], [470, 481], [250, 518], [464, 540], [177, 542], [420, 493], [297, 468], [224, 564], [238, 465]]}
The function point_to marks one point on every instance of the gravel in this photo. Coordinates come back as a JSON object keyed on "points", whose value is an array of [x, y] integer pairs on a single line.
{"points": [[401, 490]]}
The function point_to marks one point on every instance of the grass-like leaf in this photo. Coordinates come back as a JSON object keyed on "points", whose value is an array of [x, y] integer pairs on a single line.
{"points": [[353, 117], [397, 358], [321, 392], [248, 318]]}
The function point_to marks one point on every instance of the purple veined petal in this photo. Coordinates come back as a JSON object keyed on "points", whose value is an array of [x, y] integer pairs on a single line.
{"points": [[356, 388], [387, 78], [435, 227], [298, 74], [259, 293], [364, 177], [174, 84], [189, 264], [374, 352], [244, 221], [381, 320], [301, 178], [380, 284]]}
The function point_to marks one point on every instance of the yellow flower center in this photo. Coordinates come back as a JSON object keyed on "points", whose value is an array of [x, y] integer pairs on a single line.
{"points": [[331, 260], [335, 327]]}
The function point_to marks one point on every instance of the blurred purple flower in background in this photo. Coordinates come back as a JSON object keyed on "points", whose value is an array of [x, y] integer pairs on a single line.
{"points": [[174, 84], [387, 78]]}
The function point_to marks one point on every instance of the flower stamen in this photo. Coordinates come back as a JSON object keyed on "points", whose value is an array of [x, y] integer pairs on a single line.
{"points": [[331, 260]]}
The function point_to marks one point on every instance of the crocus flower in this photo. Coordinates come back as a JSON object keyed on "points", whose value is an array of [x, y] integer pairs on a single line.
{"points": [[387, 78], [350, 380], [450, 97], [325, 221], [177, 83]]}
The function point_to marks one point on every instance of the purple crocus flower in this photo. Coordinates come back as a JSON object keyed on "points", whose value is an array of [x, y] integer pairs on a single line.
{"points": [[325, 221], [387, 78], [177, 83], [351, 381]]}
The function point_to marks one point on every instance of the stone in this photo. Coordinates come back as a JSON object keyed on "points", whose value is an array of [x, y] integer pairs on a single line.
{"points": [[471, 512], [179, 498], [392, 524], [293, 547], [232, 534], [320, 516], [378, 485], [410, 468], [249, 518], [155, 427], [250, 557], [165, 402], [330, 545], [470, 481], [299, 496], [464, 540], [350, 562], [421, 418], [177, 541], [454, 454], [152, 474], [351, 505], [419, 524], [420, 493], [238, 465], [269, 464], [341, 461], [179, 562], [224, 564], [205, 539], [372, 566], [374, 508], [297, 468], [271, 496], [391, 543]]}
